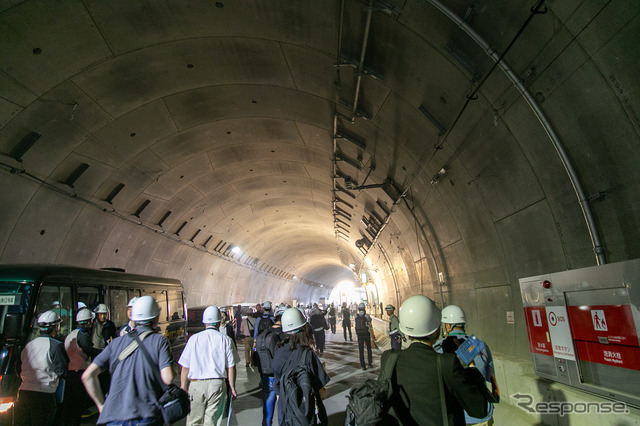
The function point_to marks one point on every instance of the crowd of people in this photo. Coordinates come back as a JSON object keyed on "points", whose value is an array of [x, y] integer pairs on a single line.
{"points": [[286, 344]]}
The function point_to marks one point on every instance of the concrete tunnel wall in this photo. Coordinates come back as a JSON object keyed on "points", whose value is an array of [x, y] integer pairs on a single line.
{"points": [[185, 138]]}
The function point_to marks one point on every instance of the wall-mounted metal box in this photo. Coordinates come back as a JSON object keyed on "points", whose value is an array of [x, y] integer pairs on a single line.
{"points": [[583, 328]]}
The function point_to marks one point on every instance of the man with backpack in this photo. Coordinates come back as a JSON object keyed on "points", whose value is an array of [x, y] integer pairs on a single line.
{"points": [[332, 318], [453, 322], [265, 318], [363, 332], [436, 389], [266, 345], [299, 375]]}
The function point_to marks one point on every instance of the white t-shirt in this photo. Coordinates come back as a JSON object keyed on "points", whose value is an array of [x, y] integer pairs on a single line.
{"points": [[208, 354]]}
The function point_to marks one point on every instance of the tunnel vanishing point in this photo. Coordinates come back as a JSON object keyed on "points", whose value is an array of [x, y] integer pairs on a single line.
{"points": [[269, 150]]}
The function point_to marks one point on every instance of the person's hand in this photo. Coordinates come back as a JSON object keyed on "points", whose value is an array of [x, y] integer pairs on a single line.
{"points": [[100, 406], [234, 393]]}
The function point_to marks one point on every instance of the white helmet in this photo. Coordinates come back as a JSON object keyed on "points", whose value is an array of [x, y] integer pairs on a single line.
{"points": [[48, 319], [81, 305], [390, 308], [266, 306], [84, 315], [361, 307], [280, 309], [211, 315], [292, 320], [101, 309], [131, 302], [419, 316], [145, 308], [453, 314], [56, 303]]}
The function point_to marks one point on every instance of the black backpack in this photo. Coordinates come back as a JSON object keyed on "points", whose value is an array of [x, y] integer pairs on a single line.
{"points": [[266, 344], [265, 322], [300, 399], [361, 325], [369, 402]]}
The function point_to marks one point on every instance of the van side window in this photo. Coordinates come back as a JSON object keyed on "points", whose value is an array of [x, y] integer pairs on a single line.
{"points": [[90, 296], [161, 298], [118, 299], [176, 306], [49, 295]]}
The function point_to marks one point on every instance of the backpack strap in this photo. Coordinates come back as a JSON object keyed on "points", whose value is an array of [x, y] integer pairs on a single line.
{"points": [[443, 401], [388, 369], [131, 347]]}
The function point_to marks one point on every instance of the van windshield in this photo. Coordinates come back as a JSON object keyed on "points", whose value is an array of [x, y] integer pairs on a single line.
{"points": [[14, 302]]}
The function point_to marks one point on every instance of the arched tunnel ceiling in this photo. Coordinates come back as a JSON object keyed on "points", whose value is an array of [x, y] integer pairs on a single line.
{"points": [[234, 117]]}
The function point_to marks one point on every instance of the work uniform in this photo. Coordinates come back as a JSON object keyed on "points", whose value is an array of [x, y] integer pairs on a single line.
{"points": [[394, 333], [135, 388], [416, 397], [44, 362], [364, 338], [208, 355], [80, 351], [346, 323], [483, 363]]}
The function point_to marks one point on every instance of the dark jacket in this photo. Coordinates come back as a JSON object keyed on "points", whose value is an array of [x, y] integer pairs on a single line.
{"points": [[416, 398]]}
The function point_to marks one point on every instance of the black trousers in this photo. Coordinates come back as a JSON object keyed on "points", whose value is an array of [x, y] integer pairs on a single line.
{"points": [[364, 340], [35, 408], [332, 323], [75, 398], [318, 336], [347, 326]]}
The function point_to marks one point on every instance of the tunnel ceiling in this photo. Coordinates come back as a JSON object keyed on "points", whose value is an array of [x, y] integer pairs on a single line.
{"points": [[232, 123]]}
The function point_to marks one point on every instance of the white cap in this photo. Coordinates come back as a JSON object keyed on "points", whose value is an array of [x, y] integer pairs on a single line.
{"points": [[145, 308], [211, 315], [419, 316]]}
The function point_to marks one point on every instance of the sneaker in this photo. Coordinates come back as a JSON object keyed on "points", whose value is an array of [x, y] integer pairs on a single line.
{"points": [[370, 365], [364, 369]]}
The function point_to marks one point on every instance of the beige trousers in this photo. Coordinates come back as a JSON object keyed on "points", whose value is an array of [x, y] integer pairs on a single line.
{"points": [[208, 400]]}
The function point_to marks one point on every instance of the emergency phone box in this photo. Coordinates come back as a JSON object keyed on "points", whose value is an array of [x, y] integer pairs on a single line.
{"points": [[470, 349], [583, 328]]}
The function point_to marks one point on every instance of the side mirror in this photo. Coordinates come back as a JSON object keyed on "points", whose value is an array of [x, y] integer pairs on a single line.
{"points": [[13, 326]]}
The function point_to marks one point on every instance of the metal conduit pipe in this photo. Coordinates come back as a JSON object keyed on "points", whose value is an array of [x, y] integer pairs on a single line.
{"points": [[365, 41], [592, 227]]}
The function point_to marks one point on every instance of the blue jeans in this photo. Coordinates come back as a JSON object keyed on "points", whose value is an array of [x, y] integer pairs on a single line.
{"points": [[269, 400], [138, 422]]}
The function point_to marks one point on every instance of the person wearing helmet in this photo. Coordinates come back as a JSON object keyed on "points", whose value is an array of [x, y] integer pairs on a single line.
{"points": [[346, 321], [422, 377], [318, 325], [104, 330], [266, 318], [363, 332], [44, 363], [237, 318], [266, 346], [125, 328], [134, 380], [453, 325], [81, 351], [296, 351], [394, 328], [207, 360]]}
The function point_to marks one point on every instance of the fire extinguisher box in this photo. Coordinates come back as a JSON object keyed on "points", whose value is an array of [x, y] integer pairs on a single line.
{"points": [[583, 328]]}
